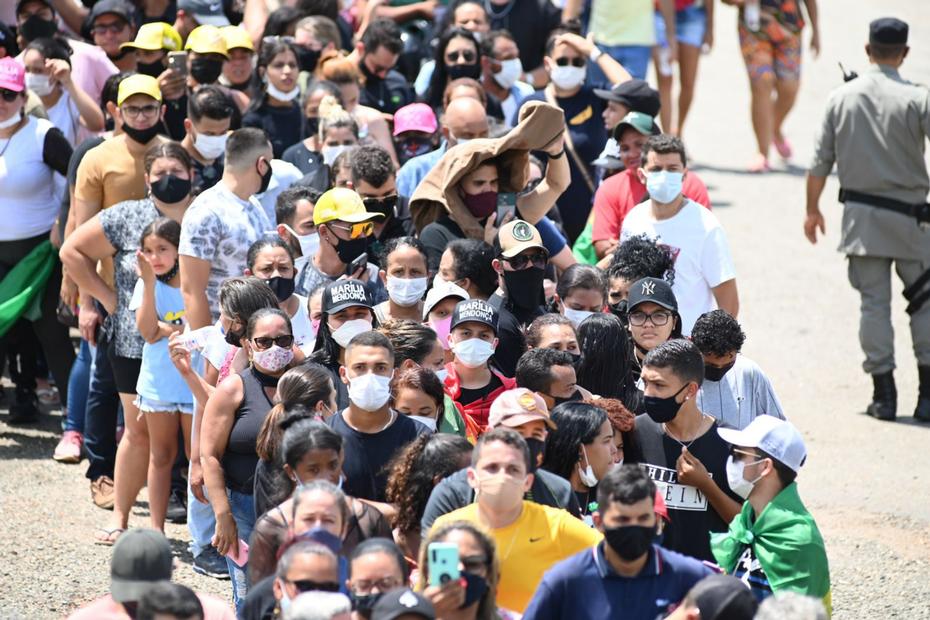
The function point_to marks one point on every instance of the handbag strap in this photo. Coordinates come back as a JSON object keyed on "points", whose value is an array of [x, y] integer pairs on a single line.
{"points": [[570, 146]]}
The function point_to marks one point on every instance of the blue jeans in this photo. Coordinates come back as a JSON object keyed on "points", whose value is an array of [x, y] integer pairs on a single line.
{"points": [[78, 388], [101, 415], [201, 522], [634, 58], [242, 506]]}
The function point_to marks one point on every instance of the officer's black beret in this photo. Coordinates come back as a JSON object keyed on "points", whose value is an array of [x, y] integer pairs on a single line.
{"points": [[888, 31]]}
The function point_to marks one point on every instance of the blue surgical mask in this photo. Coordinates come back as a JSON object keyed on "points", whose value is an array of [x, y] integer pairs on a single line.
{"points": [[664, 186]]}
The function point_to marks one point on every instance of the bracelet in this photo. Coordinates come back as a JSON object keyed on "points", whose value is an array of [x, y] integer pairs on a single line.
{"points": [[557, 155], [595, 54]]}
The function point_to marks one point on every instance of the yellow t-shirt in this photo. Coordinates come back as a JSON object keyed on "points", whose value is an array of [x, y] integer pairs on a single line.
{"points": [[623, 22], [528, 547]]}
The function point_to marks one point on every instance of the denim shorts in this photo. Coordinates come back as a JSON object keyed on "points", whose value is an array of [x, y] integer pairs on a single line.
{"points": [[148, 405], [690, 25]]}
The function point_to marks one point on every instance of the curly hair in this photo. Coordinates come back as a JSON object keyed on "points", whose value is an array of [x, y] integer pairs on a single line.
{"points": [[641, 257], [414, 472], [623, 421], [717, 333]]}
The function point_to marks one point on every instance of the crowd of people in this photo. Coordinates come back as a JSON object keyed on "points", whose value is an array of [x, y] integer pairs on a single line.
{"points": [[406, 309]]}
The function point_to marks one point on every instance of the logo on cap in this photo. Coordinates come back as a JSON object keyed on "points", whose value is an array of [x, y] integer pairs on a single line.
{"points": [[527, 401], [476, 309], [521, 232], [408, 599], [348, 291], [649, 288]]}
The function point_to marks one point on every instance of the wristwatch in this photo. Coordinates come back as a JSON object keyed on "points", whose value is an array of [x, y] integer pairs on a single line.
{"points": [[595, 54]]}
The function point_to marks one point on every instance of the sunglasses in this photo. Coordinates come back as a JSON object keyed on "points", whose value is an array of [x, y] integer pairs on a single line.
{"points": [[380, 205], [658, 318], [9, 95], [475, 563], [264, 342], [522, 261], [467, 55], [575, 62], [356, 231], [306, 585]]}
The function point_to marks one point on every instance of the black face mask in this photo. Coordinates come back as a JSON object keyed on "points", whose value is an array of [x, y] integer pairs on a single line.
{"points": [[206, 70], [384, 206], [663, 410], [233, 338], [142, 136], [283, 287], [153, 69], [364, 603], [619, 310], [311, 126], [350, 249], [370, 78], [574, 397], [36, 28], [307, 58], [631, 541], [476, 587], [171, 189], [266, 178], [525, 287], [537, 447], [464, 71], [713, 373], [168, 275]]}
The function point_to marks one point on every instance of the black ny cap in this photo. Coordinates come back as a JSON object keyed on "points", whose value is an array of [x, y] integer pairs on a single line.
{"points": [[344, 294], [722, 597], [402, 603], [474, 310], [888, 31], [655, 290], [635, 94]]}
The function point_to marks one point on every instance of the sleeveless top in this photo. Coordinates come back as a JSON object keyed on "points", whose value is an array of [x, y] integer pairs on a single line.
{"points": [[240, 458]]}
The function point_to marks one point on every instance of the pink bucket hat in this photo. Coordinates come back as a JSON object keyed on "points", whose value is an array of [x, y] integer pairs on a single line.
{"points": [[12, 75], [414, 117]]}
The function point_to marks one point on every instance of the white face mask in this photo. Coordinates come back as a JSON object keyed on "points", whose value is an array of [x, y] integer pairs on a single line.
{"points": [[210, 147], [442, 373], [576, 316], [11, 121], [474, 352], [370, 391], [309, 244], [664, 186], [429, 423], [349, 330], [738, 484], [40, 84], [406, 291], [280, 95], [510, 72], [588, 477], [568, 77], [330, 153]]}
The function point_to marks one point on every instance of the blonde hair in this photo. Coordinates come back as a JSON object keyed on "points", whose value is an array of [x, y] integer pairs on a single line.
{"points": [[338, 69], [333, 116]]}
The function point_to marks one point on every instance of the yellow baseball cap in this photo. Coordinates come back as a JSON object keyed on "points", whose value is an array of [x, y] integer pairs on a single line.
{"points": [[155, 36], [237, 38], [342, 204], [138, 84], [207, 40]]}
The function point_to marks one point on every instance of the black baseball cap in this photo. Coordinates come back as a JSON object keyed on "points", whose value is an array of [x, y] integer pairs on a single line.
{"points": [[344, 294], [8, 40], [888, 31], [655, 290], [635, 94], [474, 311], [19, 5], [141, 558], [403, 602], [122, 8], [722, 597]]}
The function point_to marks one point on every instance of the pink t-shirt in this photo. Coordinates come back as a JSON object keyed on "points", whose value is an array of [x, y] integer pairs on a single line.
{"points": [[90, 67], [105, 608]]}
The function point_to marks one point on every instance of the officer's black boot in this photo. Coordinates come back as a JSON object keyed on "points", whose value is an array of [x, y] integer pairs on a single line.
{"points": [[922, 412], [884, 404]]}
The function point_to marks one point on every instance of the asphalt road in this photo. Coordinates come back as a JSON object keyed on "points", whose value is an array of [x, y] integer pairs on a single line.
{"points": [[863, 480]]}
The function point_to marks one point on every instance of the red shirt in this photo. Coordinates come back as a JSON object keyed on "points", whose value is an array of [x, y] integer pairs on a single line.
{"points": [[618, 194]]}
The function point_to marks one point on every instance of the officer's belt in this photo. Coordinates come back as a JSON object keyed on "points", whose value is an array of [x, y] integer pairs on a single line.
{"points": [[919, 211]]}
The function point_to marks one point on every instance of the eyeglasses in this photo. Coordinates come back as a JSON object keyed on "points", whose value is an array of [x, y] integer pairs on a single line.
{"points": [[467, 55], [112, 28], [382, 585], [264, 342], [564, 61], [735, 451], [380, 205], [522, 261], [134, 111], [356, 231], [306, 585], [9, 95], [475, 563], [271, 40], [658, 318]]}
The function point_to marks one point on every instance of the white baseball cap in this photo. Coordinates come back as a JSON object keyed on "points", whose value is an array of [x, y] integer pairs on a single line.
{"points": [[777, 438], [442, 290]]}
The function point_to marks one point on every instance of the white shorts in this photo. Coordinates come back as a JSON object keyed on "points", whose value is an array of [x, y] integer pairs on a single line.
{"points": [[148, 405]]}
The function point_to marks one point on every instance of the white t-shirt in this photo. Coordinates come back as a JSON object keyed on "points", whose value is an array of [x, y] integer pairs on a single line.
{"points": [[304, 336], [699, 245], [743, 394], [28, 204]]}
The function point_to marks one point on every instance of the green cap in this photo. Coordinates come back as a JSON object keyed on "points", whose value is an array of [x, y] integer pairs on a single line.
{"points": [[641, 122]]}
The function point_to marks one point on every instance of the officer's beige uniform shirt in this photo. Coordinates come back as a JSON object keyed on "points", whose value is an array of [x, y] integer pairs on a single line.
{"points": [[875, 129]]}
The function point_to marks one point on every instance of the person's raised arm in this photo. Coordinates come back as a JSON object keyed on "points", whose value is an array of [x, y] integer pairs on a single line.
{"points": [[572, 9], [218, 416], [254, 17], [691, 471], [72, 13], [727, 297], [615, 72], [536, 203], [89, 111], [195, 275]]}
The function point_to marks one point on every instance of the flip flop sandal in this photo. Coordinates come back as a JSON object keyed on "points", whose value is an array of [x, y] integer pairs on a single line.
{"points": [[107, 540]]}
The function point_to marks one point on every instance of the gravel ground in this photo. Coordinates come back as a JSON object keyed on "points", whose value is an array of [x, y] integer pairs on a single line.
{"points": [[863, 480]]}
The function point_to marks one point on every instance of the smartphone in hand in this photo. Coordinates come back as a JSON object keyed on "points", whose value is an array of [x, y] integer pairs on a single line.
{"points": [[239, 555], [177, 62], [443, 563], [506, 205], [357, 264]]}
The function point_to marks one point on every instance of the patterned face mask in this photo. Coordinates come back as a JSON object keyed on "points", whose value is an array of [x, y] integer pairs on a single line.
{"points": [[272, 359]]}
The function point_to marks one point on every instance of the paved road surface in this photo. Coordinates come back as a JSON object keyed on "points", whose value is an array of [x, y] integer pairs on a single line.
{"points": [[863, 481]]}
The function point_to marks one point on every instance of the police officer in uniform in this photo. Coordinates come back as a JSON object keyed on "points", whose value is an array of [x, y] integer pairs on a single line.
{"points": [[874, 129]]}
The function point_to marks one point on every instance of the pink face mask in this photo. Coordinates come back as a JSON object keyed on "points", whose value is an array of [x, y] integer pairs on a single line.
{"points": [[272, 359], [442, 328]]}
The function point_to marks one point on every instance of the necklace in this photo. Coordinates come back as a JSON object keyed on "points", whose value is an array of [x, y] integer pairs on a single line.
{"points": [[10, 139], [680, 442], [380, 430]]}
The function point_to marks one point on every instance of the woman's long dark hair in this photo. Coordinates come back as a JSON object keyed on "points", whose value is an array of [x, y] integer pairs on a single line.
{"points": [[609, 376], [437, 83], [326, 350], [266, 55], [577, 424]]}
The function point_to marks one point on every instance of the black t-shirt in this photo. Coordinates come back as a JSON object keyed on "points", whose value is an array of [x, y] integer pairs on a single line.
{"points": [[75, 160], [692, 516], [399, 225], [530, 22], [316, 173], [467, 396], [436, 236], [511, 341], [283, 124], [387, 95], [206, 175], [368, 454]]}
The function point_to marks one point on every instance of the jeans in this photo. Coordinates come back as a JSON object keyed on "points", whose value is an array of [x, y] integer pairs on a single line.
{"points": [[634, 58], [201, 522], [101, 415], [78, 388], [243, 511]]}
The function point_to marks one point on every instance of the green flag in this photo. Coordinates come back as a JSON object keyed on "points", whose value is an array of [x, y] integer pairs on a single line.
{"points": [[22, 288]]}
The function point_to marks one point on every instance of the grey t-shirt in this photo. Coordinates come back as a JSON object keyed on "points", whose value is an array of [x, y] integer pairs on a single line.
{"points": [[743, 393]]}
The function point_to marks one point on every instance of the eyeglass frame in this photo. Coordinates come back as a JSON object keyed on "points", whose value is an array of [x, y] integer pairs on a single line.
{"points": [[650, 317], [356, 230], [454, 56], [263, 343], [135, 111], [526, 260]]}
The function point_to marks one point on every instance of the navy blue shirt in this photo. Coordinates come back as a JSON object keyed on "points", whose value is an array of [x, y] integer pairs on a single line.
{"points": [[586, 586]]}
